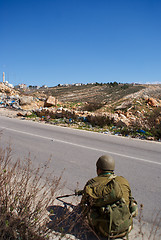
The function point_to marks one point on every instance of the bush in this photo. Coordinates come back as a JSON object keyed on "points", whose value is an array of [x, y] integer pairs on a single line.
{"points": [[125, 86], [100, 120], [25, 194], [152, 119], [156, 131], [92, 106], [33, 115], [154, 122]]}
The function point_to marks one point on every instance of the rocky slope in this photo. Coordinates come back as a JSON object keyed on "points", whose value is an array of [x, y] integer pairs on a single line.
{"points": [[122, 106]]}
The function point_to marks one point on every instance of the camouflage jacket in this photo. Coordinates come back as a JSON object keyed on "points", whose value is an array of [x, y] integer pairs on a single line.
{"points": [[104, 186]]}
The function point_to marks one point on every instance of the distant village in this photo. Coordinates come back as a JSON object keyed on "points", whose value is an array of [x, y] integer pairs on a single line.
{"points": [[23, 86]]}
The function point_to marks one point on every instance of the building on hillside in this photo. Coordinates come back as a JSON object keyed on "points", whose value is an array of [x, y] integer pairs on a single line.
{"points": [[44, 86], [78, 84], [34, 87], [21, 86]]}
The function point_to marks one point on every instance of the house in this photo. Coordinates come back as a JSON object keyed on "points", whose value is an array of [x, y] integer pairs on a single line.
{"points": [[44, 86], [34, 87], [21, 86]]}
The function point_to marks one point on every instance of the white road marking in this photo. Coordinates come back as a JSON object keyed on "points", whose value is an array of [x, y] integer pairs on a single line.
{"points": [[78, 145]]}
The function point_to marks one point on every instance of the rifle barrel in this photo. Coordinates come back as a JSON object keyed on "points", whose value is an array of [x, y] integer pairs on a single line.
{"points": [[77, 193], [68, 195]]}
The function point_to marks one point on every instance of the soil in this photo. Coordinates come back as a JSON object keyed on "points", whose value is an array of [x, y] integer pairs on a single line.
{"points": [[8, 112]]}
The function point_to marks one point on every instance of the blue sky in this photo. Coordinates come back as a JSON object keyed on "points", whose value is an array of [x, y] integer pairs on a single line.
{"points": [[70, 41]]}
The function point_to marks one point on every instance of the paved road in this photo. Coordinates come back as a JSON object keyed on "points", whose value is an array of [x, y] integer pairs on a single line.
{"points": [[77, 151]]}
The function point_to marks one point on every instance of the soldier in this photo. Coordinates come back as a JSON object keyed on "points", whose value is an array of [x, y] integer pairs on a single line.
{"points": [[107, 201]]}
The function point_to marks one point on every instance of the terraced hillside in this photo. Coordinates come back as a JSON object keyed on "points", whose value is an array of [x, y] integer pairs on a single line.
{"points": [[106, 93]]}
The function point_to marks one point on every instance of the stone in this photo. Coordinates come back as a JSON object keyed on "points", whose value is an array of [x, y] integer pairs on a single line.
{"points": [[20, 114], [124, 105], [152, 102], [158, 120], [128, 114], [51, 101], [26, 100], [115, 116], [28, 113], [31, 106]]}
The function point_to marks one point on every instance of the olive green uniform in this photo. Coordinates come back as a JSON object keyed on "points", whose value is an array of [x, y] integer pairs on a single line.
{"points": [[98, 194], [125, 187]]}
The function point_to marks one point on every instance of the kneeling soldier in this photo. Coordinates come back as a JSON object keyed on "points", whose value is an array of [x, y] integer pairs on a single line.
{"points": [[107, 201]]}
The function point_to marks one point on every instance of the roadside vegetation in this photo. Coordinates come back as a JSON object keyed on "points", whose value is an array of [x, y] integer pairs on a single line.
{"points": [[148, 129], [25, 194]]}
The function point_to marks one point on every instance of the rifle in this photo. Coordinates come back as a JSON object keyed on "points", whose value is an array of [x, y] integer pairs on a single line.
{"points": [[77, 193]]}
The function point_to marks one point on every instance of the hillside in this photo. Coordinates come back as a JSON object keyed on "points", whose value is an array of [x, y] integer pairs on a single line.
{"points": [[122, 109], [102, 93]]}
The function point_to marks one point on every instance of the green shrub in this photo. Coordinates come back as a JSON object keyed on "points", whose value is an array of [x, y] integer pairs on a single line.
{"points": [[33, 115], [125, 86]]}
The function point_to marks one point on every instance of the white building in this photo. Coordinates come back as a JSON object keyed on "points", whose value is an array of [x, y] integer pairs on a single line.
{"points": [[21, 86]]}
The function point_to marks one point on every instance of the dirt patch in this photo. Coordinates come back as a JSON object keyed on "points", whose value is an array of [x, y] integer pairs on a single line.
{"points": [[8, 112]]}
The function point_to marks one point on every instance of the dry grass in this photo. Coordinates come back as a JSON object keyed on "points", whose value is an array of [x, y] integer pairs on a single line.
{"points": [[149, 231], [25, 194]]}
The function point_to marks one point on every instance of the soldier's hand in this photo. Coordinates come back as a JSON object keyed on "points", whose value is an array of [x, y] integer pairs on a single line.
{"points": [[78, 192]]}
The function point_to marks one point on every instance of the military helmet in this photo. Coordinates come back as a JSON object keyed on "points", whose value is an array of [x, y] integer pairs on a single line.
{"points": [[106, 163]]}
